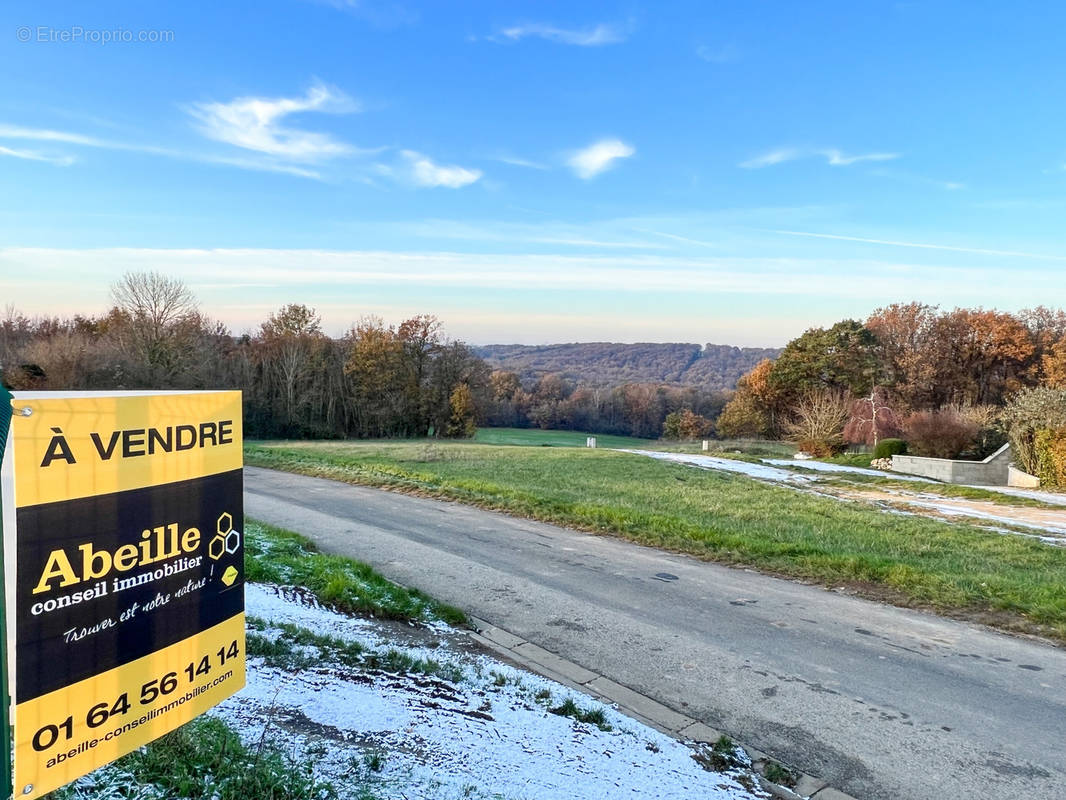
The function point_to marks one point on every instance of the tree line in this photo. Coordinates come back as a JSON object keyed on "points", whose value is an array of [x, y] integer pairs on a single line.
{"points": [[376, 381], [949, 382]]}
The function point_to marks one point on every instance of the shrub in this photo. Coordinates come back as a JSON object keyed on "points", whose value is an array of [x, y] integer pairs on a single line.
{"points": [[991, 434], [886, 448], [818, 422], [687, 424], [1050, 447], [743, 418], [1035, 420], [672, 425], [939, 434], [694, 426], [819, 448]]}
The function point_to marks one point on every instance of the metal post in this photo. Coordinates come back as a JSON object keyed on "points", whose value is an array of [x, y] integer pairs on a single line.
{"points": [[5, 718]]}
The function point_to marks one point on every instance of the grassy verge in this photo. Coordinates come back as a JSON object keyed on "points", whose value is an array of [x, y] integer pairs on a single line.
{"points": [[275, 555], [206, 760], [954, 568]]}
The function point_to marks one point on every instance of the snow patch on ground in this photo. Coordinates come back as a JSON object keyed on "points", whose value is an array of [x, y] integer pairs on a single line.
{"points": [[1055, 499], [752, 470], [769, 470], [489, 735], [945, 507], [825, 466]]}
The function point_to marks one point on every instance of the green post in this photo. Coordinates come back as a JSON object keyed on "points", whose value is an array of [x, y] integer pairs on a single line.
{"points": [[5, 720]]}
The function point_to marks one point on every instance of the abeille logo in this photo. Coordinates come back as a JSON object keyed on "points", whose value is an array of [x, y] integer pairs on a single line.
{"points": [[230, 575], [136, 442], [226, 540]]}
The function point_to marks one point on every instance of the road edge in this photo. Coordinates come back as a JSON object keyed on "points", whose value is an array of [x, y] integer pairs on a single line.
{"points": [[641, 707]]}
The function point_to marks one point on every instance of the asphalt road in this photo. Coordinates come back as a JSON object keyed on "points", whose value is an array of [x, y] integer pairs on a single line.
{"points": [[883, 703]]}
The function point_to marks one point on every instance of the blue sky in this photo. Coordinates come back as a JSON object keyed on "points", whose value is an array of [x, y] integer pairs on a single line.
{"points": [[725, 172]]}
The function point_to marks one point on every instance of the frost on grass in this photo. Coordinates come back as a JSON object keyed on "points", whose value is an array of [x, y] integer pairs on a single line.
{"points": [[436, 718], [281, 557]]}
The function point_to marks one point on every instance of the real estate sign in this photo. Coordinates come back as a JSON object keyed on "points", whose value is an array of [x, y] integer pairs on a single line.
{"points": [[124, 572]]}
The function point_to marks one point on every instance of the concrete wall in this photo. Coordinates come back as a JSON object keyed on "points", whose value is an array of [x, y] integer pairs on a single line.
{"points": [[990, 472], [1023, 480]]}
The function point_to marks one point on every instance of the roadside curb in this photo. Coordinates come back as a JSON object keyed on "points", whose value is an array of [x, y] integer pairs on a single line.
{"points": [[640, 707]]}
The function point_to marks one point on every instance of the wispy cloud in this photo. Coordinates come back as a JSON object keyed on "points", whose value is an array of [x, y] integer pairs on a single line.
{"points": [[717, 55], [676, 238], [597, 157], [832, 156], [423, 171], [379, 13], [517, 236], [839, 159], [257, 124], [352, 274], [515, 161], [778, 156], [924, 245], [596, 36], [47, 136], [33, 155]]}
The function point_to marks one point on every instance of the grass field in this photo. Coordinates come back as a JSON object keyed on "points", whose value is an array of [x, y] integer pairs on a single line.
{"points": [[743, 449], [534, 437], [954, 568]]}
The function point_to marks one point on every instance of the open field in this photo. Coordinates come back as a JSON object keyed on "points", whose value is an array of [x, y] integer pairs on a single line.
{"points": [[748, 449], [535, 437], [955, 568]]}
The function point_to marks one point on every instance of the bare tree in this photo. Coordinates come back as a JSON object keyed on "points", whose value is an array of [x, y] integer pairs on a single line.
{"points": [[818, 421], [290, 335], [872, 419], [154, 299], [156, 325]]}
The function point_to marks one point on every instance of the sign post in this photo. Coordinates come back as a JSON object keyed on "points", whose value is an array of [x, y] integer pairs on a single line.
{"points": [[5, 699], [124, 572]]}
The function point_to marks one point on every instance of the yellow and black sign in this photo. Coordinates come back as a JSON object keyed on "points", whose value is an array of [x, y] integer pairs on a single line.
{"points": [[126, 608]]}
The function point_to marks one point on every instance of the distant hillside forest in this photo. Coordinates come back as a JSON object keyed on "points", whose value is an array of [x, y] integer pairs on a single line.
{"points": [[375, 381], [605, 364], [942, 383]]}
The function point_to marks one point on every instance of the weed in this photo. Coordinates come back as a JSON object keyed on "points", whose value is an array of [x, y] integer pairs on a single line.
{"points": [[592, 716], [721, 756], [374, 761], [780, 774], [277, 653]]}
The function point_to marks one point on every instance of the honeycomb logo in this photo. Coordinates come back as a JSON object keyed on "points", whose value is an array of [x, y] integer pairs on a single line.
{"points": [[226, 540]]}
